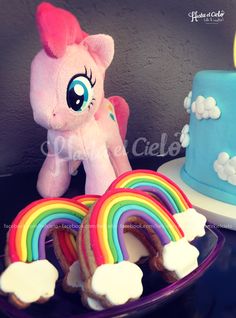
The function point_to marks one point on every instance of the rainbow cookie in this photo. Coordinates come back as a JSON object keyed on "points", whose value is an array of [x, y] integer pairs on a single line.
{"points": [[108, 275], [169, 194], [64, 242], [137, 250], [66, 251], [25, 249]]}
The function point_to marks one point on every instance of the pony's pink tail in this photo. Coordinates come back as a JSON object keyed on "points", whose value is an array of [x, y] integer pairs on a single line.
{"points": [[122, 113]]}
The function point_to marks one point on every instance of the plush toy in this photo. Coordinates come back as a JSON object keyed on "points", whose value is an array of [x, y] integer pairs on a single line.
{"points": [[67, 97]]}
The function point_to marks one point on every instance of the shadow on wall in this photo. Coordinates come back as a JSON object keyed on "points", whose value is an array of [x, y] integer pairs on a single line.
{"points": [[158, 50]]}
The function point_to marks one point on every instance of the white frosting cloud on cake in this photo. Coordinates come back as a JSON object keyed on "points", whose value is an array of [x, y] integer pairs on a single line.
{"points": [[29, 281], [180, 257], [205, 108], [184, 137], [187, 102], [192, 223], [118, 282], [225, 167]]}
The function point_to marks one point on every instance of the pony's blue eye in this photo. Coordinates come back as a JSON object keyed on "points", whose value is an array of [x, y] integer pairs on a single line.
{"points": [[79, 94]]}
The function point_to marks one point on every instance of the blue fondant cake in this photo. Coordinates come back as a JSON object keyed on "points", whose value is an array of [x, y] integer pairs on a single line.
{"points": [[210, 165]]}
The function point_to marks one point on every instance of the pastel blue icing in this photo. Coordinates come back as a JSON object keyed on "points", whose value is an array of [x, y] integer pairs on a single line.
{"points": [[209, 137]]}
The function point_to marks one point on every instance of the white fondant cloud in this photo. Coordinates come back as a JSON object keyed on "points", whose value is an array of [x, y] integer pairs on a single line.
{"points": [[187, 102], [29, 281], [135, 248], [192, 223], [184, 137], [180, 257], [225, 168], [205, 108], [94, 304], [118, 282], [73, 278]]}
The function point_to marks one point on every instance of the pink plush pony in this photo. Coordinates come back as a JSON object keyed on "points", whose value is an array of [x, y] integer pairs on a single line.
{"points": [[67, 97]]}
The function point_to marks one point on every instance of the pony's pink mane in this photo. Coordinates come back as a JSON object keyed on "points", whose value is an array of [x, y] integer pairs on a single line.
{"points": [[57, 28]]}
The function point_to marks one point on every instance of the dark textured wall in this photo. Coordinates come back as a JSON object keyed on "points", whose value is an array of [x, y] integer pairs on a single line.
{"points": [[158, 50]]}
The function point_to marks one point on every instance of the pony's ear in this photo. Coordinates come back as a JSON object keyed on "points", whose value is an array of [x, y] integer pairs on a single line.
{"points": [[57, 28], [101, 47]]}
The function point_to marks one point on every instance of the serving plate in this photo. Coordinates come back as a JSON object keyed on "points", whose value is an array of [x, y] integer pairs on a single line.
{"points": [[217, 212], [156, 291]]}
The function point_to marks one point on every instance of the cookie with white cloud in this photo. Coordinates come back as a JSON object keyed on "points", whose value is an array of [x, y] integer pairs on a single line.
{"points": [[192, 223], [73, 283], [29, 282], [118, 283], [73, 277], [180, 257]]}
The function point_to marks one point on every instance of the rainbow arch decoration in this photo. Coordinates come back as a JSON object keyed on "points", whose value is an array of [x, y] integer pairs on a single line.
{"points": [[158, 185], [103, 252], [87, 199], [111, 212], [26, 238], [67, 240]]}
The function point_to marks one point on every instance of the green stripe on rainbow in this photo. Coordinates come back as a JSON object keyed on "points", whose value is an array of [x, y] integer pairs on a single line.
{"points": [[113, 210], [156, 184], [67, 241], [29, 229]]}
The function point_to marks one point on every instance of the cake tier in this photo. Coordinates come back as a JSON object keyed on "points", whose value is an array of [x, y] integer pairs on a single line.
{"points": [[210, 166]]}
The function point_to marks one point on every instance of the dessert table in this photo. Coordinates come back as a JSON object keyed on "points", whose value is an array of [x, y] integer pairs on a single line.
{"points": [[213, 295]]}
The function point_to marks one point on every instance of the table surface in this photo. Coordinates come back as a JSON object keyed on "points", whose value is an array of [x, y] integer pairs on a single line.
{"points": [[214, 294]]}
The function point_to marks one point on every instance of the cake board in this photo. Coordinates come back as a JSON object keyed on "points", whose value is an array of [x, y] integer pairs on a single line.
{"points": [[217, 212]]}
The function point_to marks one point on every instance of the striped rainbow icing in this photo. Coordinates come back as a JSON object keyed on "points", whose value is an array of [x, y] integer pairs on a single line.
{"points": [[26, 240], [111, 212], [87, 199], [66, 240], [156, 184]]}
